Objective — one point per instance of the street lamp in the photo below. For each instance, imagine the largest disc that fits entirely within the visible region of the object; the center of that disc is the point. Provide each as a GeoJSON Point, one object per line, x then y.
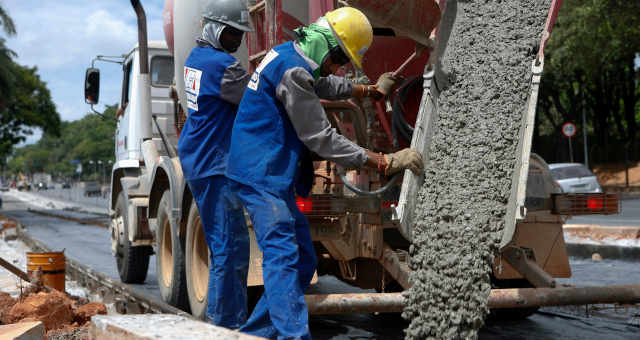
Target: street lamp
{"type": "Point", "coordinates": [110, 169]}
{"type": "Point", "coordinates": [100, 162]}
{"type": "Point", "coordinates": [91, 162]}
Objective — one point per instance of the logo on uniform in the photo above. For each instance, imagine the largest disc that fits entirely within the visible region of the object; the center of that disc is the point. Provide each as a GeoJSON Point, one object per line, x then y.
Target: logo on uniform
{"type": "Point", "coordinates": [192, 78]}
{"type": "Point", "coordinates": [255, 77]}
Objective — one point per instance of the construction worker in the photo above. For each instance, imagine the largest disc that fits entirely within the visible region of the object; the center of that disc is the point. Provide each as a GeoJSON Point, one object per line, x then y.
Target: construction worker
{"type": "Point", "coordinates": [280, 121]}
{"type": "Point", "coordinates": [214, 84]}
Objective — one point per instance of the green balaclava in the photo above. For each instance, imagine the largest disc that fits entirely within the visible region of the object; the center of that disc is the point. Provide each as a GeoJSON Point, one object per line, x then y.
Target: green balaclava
{"type": "Point", "coordinates": [316, 40]}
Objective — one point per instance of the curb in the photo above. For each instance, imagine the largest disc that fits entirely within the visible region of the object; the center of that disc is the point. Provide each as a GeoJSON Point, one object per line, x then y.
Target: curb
{"type": "Point", "coordinates": [586, 250]}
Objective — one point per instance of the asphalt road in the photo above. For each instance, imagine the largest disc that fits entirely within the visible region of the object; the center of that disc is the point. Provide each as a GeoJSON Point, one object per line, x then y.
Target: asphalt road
{"type": "Point", "coordinates": [90, 245]}
{"type": "Point", "coordinates": [87, 244]}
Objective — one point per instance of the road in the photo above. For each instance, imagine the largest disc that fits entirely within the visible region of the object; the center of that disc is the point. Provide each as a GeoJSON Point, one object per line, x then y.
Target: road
{"type": "Point", "coordinates": [90, 245]}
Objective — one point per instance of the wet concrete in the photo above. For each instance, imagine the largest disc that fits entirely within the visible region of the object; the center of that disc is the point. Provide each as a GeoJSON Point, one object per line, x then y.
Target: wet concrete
{"type": "Point", "coordinates": [462, 205]}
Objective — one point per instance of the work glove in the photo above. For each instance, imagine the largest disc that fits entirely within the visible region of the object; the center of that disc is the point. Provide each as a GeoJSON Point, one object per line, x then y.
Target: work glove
{"type": "Point", "coordinates": [386, 83]}
{"type": "Point", "coordinates": [404, 159]}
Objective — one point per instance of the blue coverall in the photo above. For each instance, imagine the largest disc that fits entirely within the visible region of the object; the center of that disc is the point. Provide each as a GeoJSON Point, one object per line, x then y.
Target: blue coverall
{"type": "Point", "coordinates": [214, 82]}
{"type": "Point", "coordinates": [279, 116]}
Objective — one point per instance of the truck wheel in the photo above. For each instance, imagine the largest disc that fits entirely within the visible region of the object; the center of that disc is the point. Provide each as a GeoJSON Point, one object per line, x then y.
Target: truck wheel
{"type": "Point", "coordinates": [132, 261]}
{"type": "Point", "coordinates": [170, 258]}
{"type": "Point", "coordinates": [510, 313]}
{"type": "Point", "coordinates": [197, 263]}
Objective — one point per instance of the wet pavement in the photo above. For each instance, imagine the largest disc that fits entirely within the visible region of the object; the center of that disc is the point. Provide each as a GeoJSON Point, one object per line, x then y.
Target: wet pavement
{"type": "Point", "coordinates": [90, 245]}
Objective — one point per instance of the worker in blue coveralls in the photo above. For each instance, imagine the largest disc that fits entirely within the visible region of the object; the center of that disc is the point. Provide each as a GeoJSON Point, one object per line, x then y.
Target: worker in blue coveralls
{"type": "Point", "coordinates": [214, 84]}
{"type": "Point", "coordinates": [280, 121]}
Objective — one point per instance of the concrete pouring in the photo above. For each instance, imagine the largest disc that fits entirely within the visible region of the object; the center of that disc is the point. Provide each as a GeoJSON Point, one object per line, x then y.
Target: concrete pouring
{"type": "Point", "coordinates": [462, 205]}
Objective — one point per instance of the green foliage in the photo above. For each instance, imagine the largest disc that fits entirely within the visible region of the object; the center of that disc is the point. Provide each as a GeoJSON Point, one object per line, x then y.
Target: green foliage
{"type": "Point", "coordinates": [590, 64]}
{"type": "Point", "coordinates": [6, 76]}
{"type": "Point", "coordinates": [25, 101]}
{"type": "Point", "coordinates": [6, 22]}
{"type": "Point", "coordinates": [29, 106]}
{"type": "Point", "coordinates": [88, 139]}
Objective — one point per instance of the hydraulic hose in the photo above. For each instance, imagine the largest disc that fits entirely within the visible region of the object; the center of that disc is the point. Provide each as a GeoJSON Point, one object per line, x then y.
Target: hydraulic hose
{"type": "Point", "coordinates": [400, 124]}
{"type": "Point", "coordinates": [369, 193]}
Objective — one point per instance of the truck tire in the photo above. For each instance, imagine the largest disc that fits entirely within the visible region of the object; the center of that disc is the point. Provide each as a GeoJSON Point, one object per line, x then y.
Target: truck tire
{"type": "Point", "coordinates": [132, 261]}
{"type": "Point", "coordinates": [197, 262]}
{"type": "Point", "coordinates": [170, 258]}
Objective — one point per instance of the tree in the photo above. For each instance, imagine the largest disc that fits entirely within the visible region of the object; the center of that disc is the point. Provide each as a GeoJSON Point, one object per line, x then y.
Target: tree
{"type": "Point", "coordinates": [590, 63]}
{"type": "Point", "coordinates": [30, 106]}
{"type": "Point", "coordinates": [6, 22]}
{"type": "Point", "coordinates": [88, 139]}
{"type": "Point", "coordinates": [25, 101]}
{"type": "Point", "coordinates": [6, 77]}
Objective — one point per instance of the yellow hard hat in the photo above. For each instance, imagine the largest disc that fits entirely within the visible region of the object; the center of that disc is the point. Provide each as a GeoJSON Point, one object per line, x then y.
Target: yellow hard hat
{"type": "Point", "coordinates": [352, 30]}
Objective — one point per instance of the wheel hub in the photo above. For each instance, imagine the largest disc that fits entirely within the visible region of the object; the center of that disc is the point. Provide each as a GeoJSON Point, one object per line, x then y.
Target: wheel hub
{"type": "Point", "coordinates": [167, 255]}
{"type": "Point", "coordinates": [117, 234]}
{"type": "Point", "coordinates": [200, 265]}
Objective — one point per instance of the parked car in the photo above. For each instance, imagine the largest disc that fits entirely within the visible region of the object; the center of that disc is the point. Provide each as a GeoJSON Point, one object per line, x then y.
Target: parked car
{"type": "Point", "coordinates": [92, 188]}
{"type": "Point", "coordinates": [66, 185]}
{"type": "Point", "coordinates": [4, 187]}
{"type": "Point", "coordinates": [42, 186]}
{"type": "Point", "coordinates": [574, 178]}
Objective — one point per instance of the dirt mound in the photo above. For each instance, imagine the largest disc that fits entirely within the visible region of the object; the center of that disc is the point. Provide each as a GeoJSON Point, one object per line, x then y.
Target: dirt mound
{"type": "Point", "coordinates": [84, 313]}
{"type": "Point", "coordinates": [6, 302]}
{"type": "Point", "coordinates": [54, 309]}
{"type": "Point", "coordinates": [60, 313]}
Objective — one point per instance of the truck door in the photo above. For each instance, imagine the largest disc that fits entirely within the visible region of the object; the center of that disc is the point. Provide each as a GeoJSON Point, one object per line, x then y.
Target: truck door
{"type": "Point", "coordinates": [123, 121]}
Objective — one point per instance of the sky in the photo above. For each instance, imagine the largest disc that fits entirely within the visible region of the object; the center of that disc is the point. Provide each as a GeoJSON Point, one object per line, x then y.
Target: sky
{"type": "Point", "coordinates": [62, 37]}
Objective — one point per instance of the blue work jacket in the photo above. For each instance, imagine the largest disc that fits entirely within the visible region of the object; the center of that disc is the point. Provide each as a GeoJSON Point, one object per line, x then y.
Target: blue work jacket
{"type": "Point", "coordinates": [266, 152]}
{"type": "Point", "coordinates": [204, 142]}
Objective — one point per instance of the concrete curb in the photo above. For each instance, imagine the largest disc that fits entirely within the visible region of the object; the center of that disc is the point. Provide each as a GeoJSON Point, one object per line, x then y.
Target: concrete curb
{"type": "Point", "coordinates": [585, 250]}
{"type": "Point", "coordinates": [596, 233]}
{"type": "Point", "coordinates": [156, 327]}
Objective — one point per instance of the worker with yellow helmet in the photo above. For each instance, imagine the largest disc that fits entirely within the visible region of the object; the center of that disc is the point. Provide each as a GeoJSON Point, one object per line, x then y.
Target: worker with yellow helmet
{"type": "Point", "coordinates": [279, 123]}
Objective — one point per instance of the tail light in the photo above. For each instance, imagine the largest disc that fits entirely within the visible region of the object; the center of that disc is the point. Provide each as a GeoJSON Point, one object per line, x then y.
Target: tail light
{"type": "Point", "coordinates": [585, 204]}
{"type": "Point", "coordinates": [595, 203]}
{"type": "Point", "coordinates": [304, 204]}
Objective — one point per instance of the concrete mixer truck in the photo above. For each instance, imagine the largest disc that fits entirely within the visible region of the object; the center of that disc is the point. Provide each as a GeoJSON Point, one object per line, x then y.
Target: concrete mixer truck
{"type": "Point", "coordinates": [361, 222]}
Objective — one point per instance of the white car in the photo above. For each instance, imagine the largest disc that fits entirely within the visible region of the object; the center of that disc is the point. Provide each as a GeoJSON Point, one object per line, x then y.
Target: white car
{"type": "Point", "coordinates": [575, 178]}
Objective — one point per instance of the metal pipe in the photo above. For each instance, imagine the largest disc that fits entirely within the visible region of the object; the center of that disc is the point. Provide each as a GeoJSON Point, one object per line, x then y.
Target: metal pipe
{"type": "Point", "coordinates": [355, 303]}
{"type": "Point", "coordinates": [142, 101]}
{"type": "Point", "coordinates": [531, 297]}
{"type": "Point", "coordinates": [142, 36]}
{"type": "Point", "coordinates": [498, 298]}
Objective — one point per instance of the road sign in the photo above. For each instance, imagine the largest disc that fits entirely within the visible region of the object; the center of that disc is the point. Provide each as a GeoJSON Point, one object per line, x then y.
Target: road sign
{"type": "Point", "coordinates": [569, 129]}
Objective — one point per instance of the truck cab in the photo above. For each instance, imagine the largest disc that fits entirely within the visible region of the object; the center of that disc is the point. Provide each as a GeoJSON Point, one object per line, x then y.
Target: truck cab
{"type": "Point", "coordinates": [128, 140]}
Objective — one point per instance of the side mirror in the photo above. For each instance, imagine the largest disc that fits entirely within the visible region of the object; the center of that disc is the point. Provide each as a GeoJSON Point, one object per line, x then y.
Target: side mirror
{"type": "Point", "coordinates": [92, 86]}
